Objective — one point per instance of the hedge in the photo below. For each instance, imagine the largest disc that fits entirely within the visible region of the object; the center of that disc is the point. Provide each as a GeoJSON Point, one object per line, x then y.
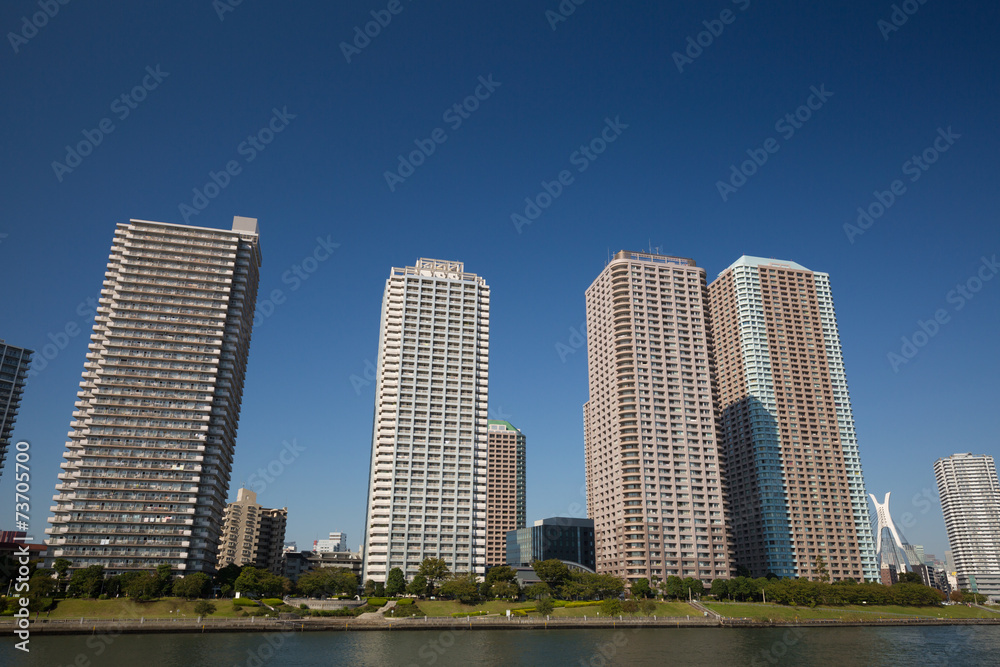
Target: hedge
{"type": "Point", "coordinates": [463, 614]}
{"type": "Point", "coordinates": [583, 603]}
{"type": "Point", "coordinates": [404, 601]}
{"type": "Point", "coordinates": [377, 602]}
{"type": "Point", "coordinates": [244, 602]}
{"type": "Point", "coordinates": [273, 602]}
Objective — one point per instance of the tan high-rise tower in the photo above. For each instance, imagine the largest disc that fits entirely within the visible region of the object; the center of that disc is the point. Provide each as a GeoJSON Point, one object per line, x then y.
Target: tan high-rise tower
{"type": "Point", "coordinates": [795, 489]}
{"type": "Point", "coordinates": [653, 472]}
{"type": "Point", "coordinates": [147, 465]}
{"type": "Point", "coordinates": [252, 535]}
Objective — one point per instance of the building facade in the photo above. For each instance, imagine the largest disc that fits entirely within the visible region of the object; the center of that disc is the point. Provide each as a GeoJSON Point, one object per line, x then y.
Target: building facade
{"type": "Point", "coordinates": [14, 362]}
{"type": "Point", "coordinates": [795, 486]}
{"type": "Point", "coordinates": [147, 465]}
{"type": "Point", "coordinates": [970, 501]}
{"type": "Point", "coordinates": [654, 486]}
{"type": "Point", "coordinates": [251, 534]}
{"type": "Point", "coordinates": [336, 542]}
{"type": "Point", "coordinates": [427, 489]}
{"type": "Point", "coordinates": [297, 563]}
{"type": "Point", "coordinates": [505, 488]}
{"type": "Point", "coordinates": [565, 538]}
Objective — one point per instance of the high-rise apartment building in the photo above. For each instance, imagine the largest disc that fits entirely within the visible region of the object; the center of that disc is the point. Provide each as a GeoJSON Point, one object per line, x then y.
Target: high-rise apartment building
{"type": "Point", "coordinates": [14, 362]}
{"type": "Point", "coordinates": [505, 488]}
{"type": "Point", "coordinates": [148, 460]}
{"type": "Point", "coordinates": [654, 488]}
{"type": "Point", "coordinates": [566, 538]}
{"type": "Point", "coordinates": [427, 490]}
{"type": "Point", "coordinates": [970, 501]}
{"type": "Point", "coordinates": [795, 488]}
{"type": "Point", "coordinates": [252, 535]}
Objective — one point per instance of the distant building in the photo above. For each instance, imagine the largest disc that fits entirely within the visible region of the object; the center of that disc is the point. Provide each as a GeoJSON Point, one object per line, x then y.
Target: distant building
{"type": "Point", "coordinates": [297, 563]}
{"type": "Point", "coordinates": [564, 538]}
{"type": "Point", "coordinates": [252, 535]}
{"type": "Point", "coordinates": [505, 488]}
{"type": "Point", "coordinates": [14, 362]}
{"type": "Point", "coordinates": [337, 542]}
{"type": "Point", "coordinates": [970, 501]}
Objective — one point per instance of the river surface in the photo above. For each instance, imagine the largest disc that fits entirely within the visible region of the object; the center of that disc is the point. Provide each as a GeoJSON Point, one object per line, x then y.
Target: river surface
{"type": "Point", "coordinates": [842, 647]}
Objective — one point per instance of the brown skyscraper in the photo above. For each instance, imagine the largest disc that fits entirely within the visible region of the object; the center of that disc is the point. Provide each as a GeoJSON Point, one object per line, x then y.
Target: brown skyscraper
{"type": "Point", "coordinates": [505, 488]}
{"type": "Point", "coordinates": [653, 477]}
{"type": "Point", "coordinates": [795, 489]}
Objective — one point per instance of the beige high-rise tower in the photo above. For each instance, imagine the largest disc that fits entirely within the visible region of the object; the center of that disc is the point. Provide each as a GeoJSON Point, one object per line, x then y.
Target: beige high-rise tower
{"type": "Point", "coordinates": [795, 489]}
{"type": "Point", "coordinates": [252, 535]}
{"type": "Point", "coordinates": [653, 472]}
{"type": "Point", "coordinates": [147, 465]}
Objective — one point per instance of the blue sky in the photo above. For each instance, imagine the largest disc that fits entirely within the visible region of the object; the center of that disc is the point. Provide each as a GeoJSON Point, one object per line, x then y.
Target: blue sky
{"type": "Point", "coordinates": [212, 83]}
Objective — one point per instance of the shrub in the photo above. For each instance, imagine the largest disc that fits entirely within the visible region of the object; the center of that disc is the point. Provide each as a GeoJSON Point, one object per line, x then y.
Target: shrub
{"type": "Point", "coordinates": [303, 606]}
{"type": "Point", "coordinates": [273, 602]}
{"type": "Point", "coordinates": [463, 614]}
{"type": "Point", "coordinates": [102, 596]}
{"type": "Point", "coordinates": [244, 602]}
{"type": "Point", "coordinates": [404, 601]}
{"type": "Point", "coordinates": [582, 603]}
{"type": "Point", "coordinates": [519, 612]}
{"type": "Point", "coordinates": [204, 608]}
{"type": "Point", "coordinates": [377, 602]}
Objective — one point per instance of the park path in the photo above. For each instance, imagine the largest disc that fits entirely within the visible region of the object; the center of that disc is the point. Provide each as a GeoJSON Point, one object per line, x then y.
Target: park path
{"type": "Point", "coordinates": [377, 615]}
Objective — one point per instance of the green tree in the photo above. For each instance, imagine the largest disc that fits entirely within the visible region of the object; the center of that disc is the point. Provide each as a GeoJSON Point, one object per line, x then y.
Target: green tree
{"type": "Point", "coordinates": [87, 582]}
{"type": "Point", "coordinates": [192, 586]}
{"type": "Point", "coordinates": [144, 587]}
{"type": "Point", "coordinates": [822, 573]}
{"type": "Point", "coordinates": [328, 581]}
{"type": "Point", "coordinates": [395, 582]}
{"type": "Point", "coordinates": [648, 607]}
{"type": "Point", "coordinates": [257, 583]}
{"type": "Point", "coordinates": [505, 589]}
{"type": "Point", "coordinates": [606, 585]}
{"type": "Point", "coordinates": [41, 584]}
{"type": "Point", "coordinates": [630, 606]}
{"type": "Point", "coordinates": [673, 587]}
{"type": "Point", "coordinates": [537, 591]}
{"type": "Point", "coordinates": [910, 578]}
{"type": "Point", "coordinates": [641, 589]}
{"type": "Point", "coordinates": [720, 588]}
{"type": "Point", "coordinates": [691, 587]}
{"type": "Point", "coordinates": [611, 607]}
{"type": "Point", "coordinates": [462, 587]}
{"type": "Point", "coordinates": [500, 573]}
{"type": "Point", "coordinates": [369, 588]}
{"type": "Point", "coordinates": [204, 608]}
{"type": "Point", "coordinates": [544, 606]}
{"type": "Point", "coordinates": [434, 570]}
{"type": "Point", "coordinates": [164, 578]}
{"type": "Point", "coordinates": [552, 572]}
{"type": "Point", "coordinates": [418, 585]}
{"type": "Point", "coordinates": [61, 566]}
{"type": "Point", "coordinates": [227, 576]}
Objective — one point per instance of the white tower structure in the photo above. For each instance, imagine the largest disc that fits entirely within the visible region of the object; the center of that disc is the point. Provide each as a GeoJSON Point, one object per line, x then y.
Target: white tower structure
{"type": "Point", "coordinates": [894, 553]}
{"type": "Point", "coordinates": [427, 491]}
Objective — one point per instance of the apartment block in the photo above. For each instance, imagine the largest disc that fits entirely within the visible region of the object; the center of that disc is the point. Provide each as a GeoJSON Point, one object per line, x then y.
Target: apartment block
{"type": "Point", "coordinates": [14, 363]}
{"type": "Point", "coordinates": [252, 534]}
{"type": "Point", "coordinates": [654, 486]}
{"type": "Point", "coordinates": [147, 465]}
{"type": "Point", "coordinates": [336, 542]}
{"type": "Point", "coordinates": [505, 488]}
{"type": "Point", "coordinates": [795, 488]}
{"type": "Point", "coordinates": [428, 478]}
{"type": "Point", "coordinates": [970, 501]}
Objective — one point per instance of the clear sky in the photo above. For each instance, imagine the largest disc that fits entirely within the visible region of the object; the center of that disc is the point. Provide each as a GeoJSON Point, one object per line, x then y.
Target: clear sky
{"type": "Point", "coordinates": [312, 114]}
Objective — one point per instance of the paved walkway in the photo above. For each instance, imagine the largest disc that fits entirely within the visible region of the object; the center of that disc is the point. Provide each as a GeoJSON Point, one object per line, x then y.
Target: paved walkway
{"type": "Point", "coordinates": [377, 615]}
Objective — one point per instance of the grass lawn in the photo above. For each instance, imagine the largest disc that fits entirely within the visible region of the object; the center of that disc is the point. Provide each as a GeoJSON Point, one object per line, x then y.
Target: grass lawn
{"type": "Point", "coordinates": [847, 613]}
{"type": "Point", "coordinates": [449, 607]}
{"type": "Point", "coordinates": [126, 608]}
{"type": "Point", "coordinates": [663, 610]}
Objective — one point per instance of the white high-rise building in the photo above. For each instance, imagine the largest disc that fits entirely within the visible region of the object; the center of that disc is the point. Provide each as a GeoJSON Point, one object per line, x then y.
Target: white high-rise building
{"type": "Point", "coordinates": [427, 492]}
{"type": "Point", "coordinates": [337, 542]}
{"type": "Point", "coordinates": [970, 501]}
{"type": "Point", "coordinates": [147, 466]}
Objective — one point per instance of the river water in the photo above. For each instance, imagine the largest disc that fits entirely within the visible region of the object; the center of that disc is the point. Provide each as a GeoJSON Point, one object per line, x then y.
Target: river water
{"type": "Point", "coordinates": [842, 647]}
